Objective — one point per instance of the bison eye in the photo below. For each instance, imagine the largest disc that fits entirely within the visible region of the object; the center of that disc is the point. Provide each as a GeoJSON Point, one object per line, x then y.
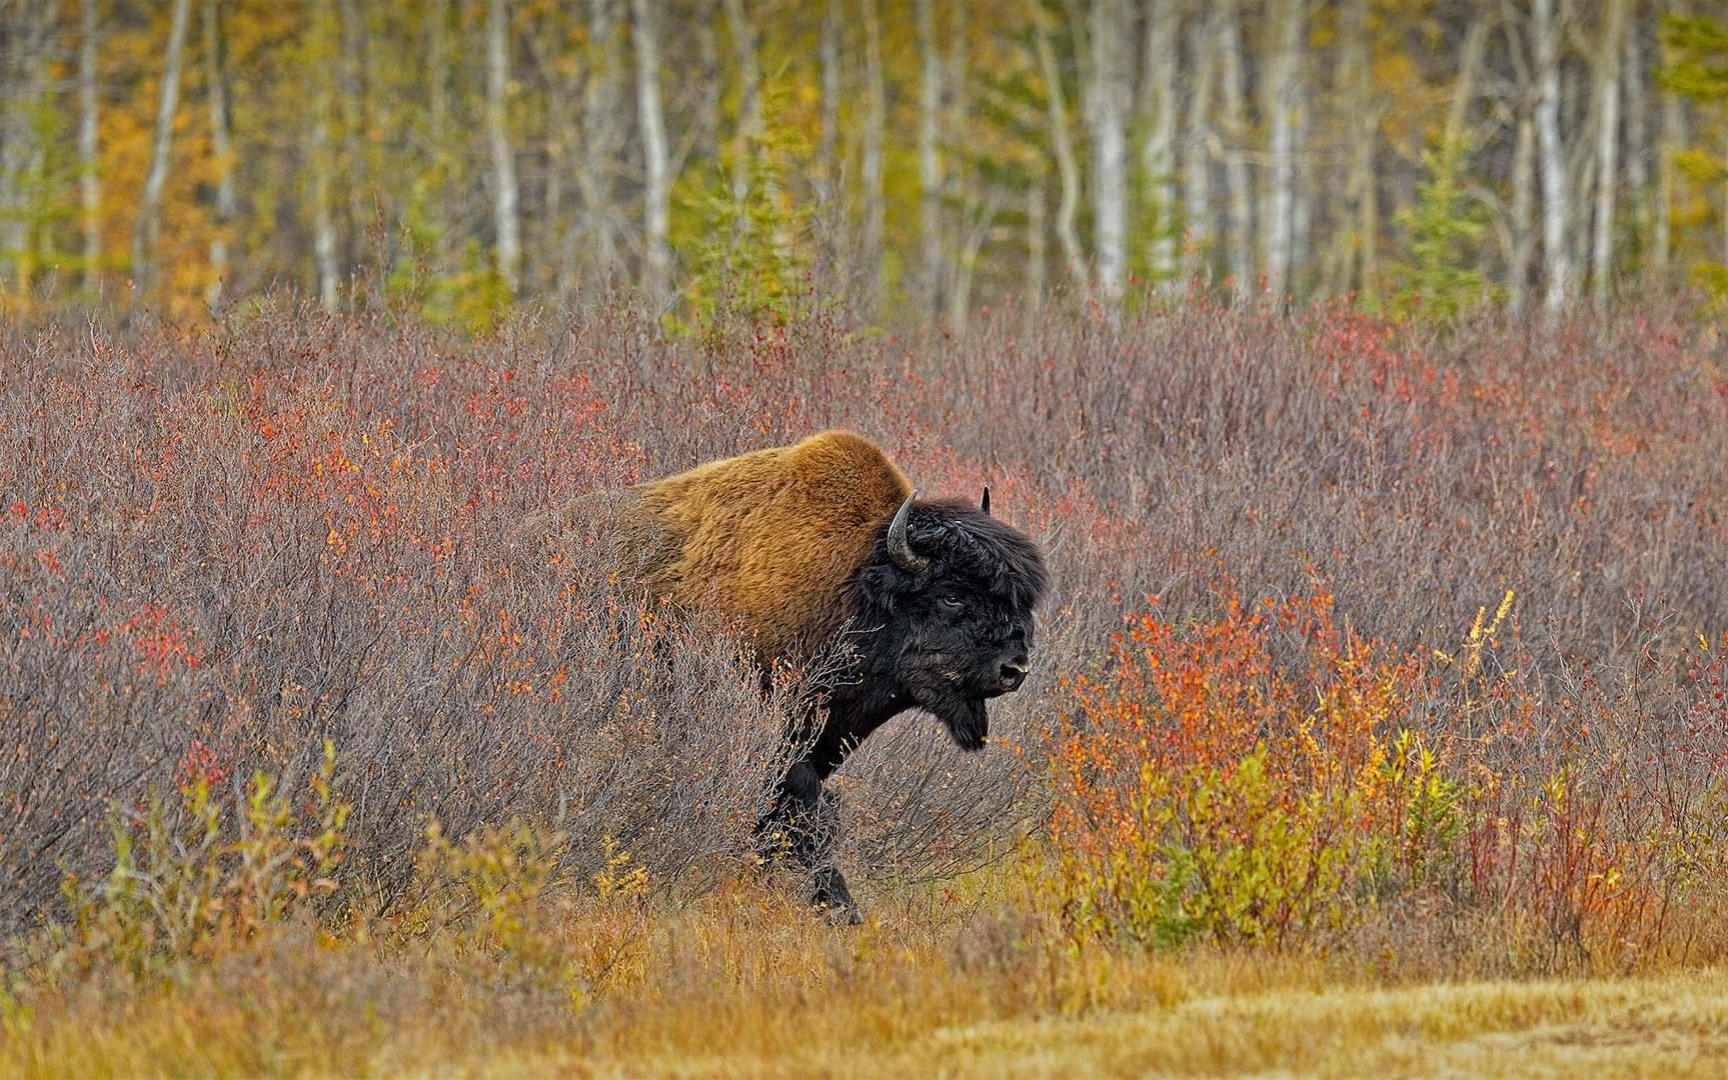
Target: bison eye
{"type": "Point", "coordinates": [952, 601]}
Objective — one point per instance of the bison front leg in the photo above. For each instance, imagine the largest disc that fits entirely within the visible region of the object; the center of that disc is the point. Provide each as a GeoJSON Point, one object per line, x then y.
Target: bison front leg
{"type": "Point", "coordinates": [805, 822]}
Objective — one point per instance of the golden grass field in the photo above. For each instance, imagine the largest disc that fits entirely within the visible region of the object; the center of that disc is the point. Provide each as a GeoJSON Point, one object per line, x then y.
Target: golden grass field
{"type": "Point", "coordinates": [746, 984]}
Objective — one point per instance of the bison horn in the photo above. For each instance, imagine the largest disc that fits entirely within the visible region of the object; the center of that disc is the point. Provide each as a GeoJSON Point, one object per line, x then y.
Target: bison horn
{"type": "Point", "coordinates": [984, 504]}
{"type": "Point", "coordinates": [899, 548]}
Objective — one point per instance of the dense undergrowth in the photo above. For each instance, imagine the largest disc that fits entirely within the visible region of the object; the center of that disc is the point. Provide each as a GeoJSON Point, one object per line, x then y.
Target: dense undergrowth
{"type": "Point", "coordinates": [1374, 654]}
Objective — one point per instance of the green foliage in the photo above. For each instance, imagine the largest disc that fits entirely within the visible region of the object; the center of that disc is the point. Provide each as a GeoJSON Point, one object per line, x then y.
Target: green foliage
{"type": "Point", "coordinates": [749, 256]}
{"type": "Point", "coordinates": [1438, 276]}
{"type": "Point", "coordinates": [1698, 45]}
{"type": "Point", "coordinates": [188, 881]}
{"type": "Point", "coordinates": [501, 874]}
{"type": "Point", "coordinates": [1428, 812]}
{"type": "Point", "coordinates": [1225, 857]}
{"type": "Point", "coordinates": [472, 297]}
{"type": "Point", "coordinates": [1697, 68]}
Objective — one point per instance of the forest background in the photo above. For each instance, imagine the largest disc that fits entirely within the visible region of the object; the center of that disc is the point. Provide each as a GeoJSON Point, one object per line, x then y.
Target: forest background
{"type": "Point", "coordinates": [920, 157]}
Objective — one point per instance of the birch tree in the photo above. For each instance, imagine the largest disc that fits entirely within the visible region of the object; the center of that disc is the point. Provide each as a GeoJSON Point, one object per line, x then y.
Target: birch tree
{"type": "Point", "coordinates": [161, 147]}
{"type": "Point", "coordinates": [1545, 30]}
{"type": "Point", "coordinates": [602, 140]}
{"type": "Point", "coordinates": [216, 79]}
{"type": "Point", "coordinates": [1607, 146]}
{"type": "Point", "coordinates": [321, 152]}
{"type": "Point", "coordinates": [929, 164]}
{"type": "Point", "coordinates": [506, 220]}
{"type": "Point", "coordinates": [89, 148]}
{"type": "Point", "coordinates": [1158, 109]}
{"type": "Point", "coordinates": [1197, 145]}
{"type": "Point", "coordinates": [1061, 146]}
{"type": "Point", "coordinates": [749, 95]}
{"type": "Point", "coordinates": [657, 256]}
{"type": "Point", "coordinates": [1109, 147]}
{"type": "Point", "coordinates": [1285, 72]}
{"type": "Point", "coordinates": [1241, 216]}
{"type": "Point", "coordinates": [874, 136]}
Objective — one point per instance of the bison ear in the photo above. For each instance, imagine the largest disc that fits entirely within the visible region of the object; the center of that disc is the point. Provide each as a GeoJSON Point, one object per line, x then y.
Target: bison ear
{"type": "Point", "coordinates": [984, 504]}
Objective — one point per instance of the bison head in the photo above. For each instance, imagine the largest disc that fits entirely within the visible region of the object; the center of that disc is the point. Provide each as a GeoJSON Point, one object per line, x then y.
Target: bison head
{"type": "Point", "coordinates": [952, 591]}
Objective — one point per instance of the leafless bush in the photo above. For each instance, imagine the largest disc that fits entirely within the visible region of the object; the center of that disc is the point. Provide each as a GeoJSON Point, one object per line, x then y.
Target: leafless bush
{"type": "Point", "coordinates": [218, 549]}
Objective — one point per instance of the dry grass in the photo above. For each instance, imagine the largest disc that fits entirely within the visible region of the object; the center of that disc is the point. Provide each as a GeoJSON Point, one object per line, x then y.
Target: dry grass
{"type": "Point", "coordinates": [744, 985]}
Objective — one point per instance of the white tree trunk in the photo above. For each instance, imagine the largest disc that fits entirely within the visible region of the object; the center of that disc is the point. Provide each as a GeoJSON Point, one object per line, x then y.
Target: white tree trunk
{"type": "Point", "coordinates": [321, 151]}
{"type": "Point", "coordinates": [1634, 78]}
{"type": "Point", "coordinates": [749, 95]}
{"type": "Point", "coordinates": [1062, 145]}
{"type": "Point", "coordinates": [1285, 74]}
{"type": "Point", "coordinates": [1159, 109]}
{"type": "Point", "coordinates": [1555, 207]}
{"type": "Point", "coordinates": [929, 163]}
{"type": "Point", "coordinates": [1036, 257]}
{"type": "Point", "coordinates": [601, 139]}
{"type": "Point", "coordinates": [216, 77]}
{"type": "Point", "coordinates": [1607, 148]}
{"type": "Point", "coordinates": [1236, 151]}
{"type": "Point", "coordinates": [1671, 140]}
{"type": "Point", "coordinates": [89, 149]}
{"type": "Point", "coordinates": [1197, 148]}
{"type": "Point", "coordinates": [506, 221]}
{"type": "Point", "coordinates": [1358, 264]}
{"type": "Point", "coordinates": [875, 135]}
{"type": "Point", "coordinates": [657, 258]}
{"type": "Point", "coordinates": [161, 147]}
{"type": "Point", "coordinates": [828, 142]}
{"type": "Point", "coordinates": [1109, 148]}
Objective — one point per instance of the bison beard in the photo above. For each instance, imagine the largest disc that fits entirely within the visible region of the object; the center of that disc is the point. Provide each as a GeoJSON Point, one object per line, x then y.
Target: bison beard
{"type": "Point", "coordinates": [797, 543]}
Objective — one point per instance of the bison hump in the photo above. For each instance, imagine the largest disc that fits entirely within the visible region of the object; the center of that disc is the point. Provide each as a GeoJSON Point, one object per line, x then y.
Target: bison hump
{"type": "Point", "coordinates": [774, 537]}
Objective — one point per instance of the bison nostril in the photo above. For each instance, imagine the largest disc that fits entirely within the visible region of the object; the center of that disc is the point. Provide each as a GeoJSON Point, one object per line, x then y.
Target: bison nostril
{"type": "Point", "coordinates": [1013, 673]}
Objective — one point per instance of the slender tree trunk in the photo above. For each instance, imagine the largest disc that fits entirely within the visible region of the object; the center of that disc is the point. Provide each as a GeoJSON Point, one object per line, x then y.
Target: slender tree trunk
{"type": "Point", "coordinates": [1159, 107]}
{"type": "Point", "coordinates": [161, 147]}
{"type": "Point", "coordinates": [506, 221]}
{"type": "Point", "coordinates": [1555, 205]}
{"type": "Point", "coordinates": [322, 153]}
{"type": "Point", "coordinates": [657, 258]}
{"type": "Point", "coordinates": [749, 94]}
{"type": "Point", "coordinates": [828, 141]}
{"type": "Point", "coordinates": [1607, 148]}
{"type": "Point", "coordinates": [23, 152]}
{"type": "Point", "coordinates": [929, 163]}
{"type": "Point", "coordinates": [89, 149]}
{"type": "Point", "coordinates": [352, 107]}
{"type": "Point", "coordinates": [1062, 144]}
{"type": "Point", "coordinates": [1634, 78]}
{"type": "Point", "coordinates": [1523, 209]}
{"type": "Point", "coordinates": [1464, 90]}
{"type": "Point", "coordinates": [216, 75]}
{"type": "Point", "coordinates": [602, 143]}
{"type": "Point", "coordinates": [1285, 73]}
{"type": "Point", "coordinates": [1236, 151]}
{"type": "Point", "coordinates": [1109, 148]}
{"type": "Point", "coordinates": [1672, 140]}
{"type": "Point", "coordinates": [875, 127]}
{"type": "Point", "coordinates": [1036, 255]}
{"type": "Point", "coordinates": [438, 76]}
{"type": "Point", "coordinates": [1197, 148]}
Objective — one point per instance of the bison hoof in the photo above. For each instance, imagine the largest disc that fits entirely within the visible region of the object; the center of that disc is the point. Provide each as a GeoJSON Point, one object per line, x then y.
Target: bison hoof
{"type": "Point", "coordinates": [835, 898]}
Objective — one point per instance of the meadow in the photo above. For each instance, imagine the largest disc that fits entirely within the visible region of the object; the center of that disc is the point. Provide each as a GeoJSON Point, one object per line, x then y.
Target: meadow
{"type": "Point", "coordinates": [1377, 723]}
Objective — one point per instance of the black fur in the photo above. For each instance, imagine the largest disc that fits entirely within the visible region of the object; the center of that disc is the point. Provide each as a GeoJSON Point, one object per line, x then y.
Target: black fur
{"type": "Point", "coordinates": [945, 640]}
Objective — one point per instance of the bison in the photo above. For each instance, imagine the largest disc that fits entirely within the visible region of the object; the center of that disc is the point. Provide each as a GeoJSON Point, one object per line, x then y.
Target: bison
{"type": "Point", "coordinates": [795, 544]}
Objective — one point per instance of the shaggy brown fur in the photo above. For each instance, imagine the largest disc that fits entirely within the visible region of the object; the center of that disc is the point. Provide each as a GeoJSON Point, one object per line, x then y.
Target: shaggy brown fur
{"type": "Point", "coordinates": [771, 538]}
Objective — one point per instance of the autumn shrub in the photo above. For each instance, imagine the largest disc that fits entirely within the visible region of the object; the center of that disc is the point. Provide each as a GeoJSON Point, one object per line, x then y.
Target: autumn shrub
{"type": "Point", "coordinates": [1245, 779]}
{"type": "Point", "coordinates": [221, 547]}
